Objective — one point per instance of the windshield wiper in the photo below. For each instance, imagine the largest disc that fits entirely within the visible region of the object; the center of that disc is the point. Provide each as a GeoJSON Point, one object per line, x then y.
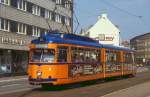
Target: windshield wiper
{"type": "Point", "coordinates": [41, 56]}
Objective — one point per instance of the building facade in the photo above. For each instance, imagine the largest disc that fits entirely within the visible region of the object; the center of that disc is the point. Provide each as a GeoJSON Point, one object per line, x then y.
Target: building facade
{"type": "Point", "coordinates": [105, 31]}
{"type": "Point", "coordinates": [142, 46]}
{"type": "Point", "coordinates": [125, 43]}
{"type": "Point", "coordinates": [23, 20]}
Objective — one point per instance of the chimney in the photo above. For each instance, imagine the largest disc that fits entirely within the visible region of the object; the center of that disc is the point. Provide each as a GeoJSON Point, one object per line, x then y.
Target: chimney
{"type": "Point", "coordinates": [102, 16]}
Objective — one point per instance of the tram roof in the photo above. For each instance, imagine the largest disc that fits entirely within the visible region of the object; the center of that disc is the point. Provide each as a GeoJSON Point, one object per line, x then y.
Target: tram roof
{"type": "Point", "coordinates": [116, 47]}
{"type": "Point", "coordinates": [73, 39]}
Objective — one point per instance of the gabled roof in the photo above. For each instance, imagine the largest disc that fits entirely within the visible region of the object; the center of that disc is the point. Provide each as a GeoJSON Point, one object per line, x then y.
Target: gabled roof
{"type": "Point", "coordinates": [103, 25]}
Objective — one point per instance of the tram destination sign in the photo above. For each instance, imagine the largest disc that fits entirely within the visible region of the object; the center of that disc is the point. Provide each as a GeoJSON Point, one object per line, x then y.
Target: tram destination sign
{"type": "Point", "coordinates": [41, 46]}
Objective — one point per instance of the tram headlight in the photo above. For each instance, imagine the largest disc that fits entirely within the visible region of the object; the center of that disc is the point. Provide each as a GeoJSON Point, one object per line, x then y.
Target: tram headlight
{"type": "Point", "coordinates": [39, 73]}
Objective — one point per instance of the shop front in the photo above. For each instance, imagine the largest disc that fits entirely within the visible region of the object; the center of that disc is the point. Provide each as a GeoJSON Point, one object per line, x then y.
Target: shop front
{"type": "Point", "coordinates": [5, 61]}
{"type": "Point", "coordinates": [13, 62]}
{"type": "Point", "coordinates": [14, 49]}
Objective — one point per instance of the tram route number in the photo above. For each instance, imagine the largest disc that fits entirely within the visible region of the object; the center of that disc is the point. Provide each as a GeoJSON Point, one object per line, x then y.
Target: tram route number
{"type": "Point", "coordinates": [41, 46]}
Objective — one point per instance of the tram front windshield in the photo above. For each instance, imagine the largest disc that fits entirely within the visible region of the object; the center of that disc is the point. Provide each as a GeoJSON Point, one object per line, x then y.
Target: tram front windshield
{"type": "Point", "coordinates": [43, 55]}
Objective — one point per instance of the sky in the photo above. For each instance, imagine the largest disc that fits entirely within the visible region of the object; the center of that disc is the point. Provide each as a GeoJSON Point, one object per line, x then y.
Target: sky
{"type": "Point", "coordinates": [132, 16]}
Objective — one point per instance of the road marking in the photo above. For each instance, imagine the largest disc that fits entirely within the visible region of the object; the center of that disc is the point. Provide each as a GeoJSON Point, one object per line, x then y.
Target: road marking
{"type": "Point", "coordinates": [10, 80]}
{"type": "Point", "coordinates": [14, 91]}
{"type": "Point", "coordinates": [10, 85]}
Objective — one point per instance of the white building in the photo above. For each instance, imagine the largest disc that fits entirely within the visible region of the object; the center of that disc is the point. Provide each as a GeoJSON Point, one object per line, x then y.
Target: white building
{"type": "Point", "coordinates": [105, 31]}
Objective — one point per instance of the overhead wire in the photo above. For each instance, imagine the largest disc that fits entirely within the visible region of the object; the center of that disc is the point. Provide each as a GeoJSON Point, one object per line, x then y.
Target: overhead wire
{"type": "Point", "coordinates": [120, 9]}
{"type": "Point", "coordinates": [127, 12]}
{"type": "Point", "coordinates": [111, 5]}
{"type": "Point", "coordinates": [78, 24]}
{"type": "Point", "coordinates": [75, 20]}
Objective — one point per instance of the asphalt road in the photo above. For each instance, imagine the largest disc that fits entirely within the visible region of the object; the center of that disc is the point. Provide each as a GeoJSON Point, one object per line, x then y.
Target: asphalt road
{"type": "Point", "coordinates": [11, 85]}
{"type": "Point", "coordinates": [21, 88]}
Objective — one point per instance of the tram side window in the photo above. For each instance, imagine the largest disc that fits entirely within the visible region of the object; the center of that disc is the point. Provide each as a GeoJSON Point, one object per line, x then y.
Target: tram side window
{"type": "Point", "coordinates": [92, 56]}
{"type": "Point", "coordinates": [62, 54]}
{"type": "Point", "coordinates": [128, 58]}
{"type": "Point", "coordinates": [75, 55]}
{"type": "Point", "coordinates": [111, 57]}
{"type": "Point", "coordinates": [81, 55]}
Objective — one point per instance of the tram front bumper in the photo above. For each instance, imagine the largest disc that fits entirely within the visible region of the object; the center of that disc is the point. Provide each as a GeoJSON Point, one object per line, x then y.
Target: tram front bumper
{"type": "Point", "coordinates": [40, 81]}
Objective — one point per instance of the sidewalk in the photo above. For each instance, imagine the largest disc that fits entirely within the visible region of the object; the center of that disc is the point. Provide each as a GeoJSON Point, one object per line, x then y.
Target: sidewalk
{"type": "Point", "coordinates": [14, 84]}
{"type": "Point", "coordinates": [141, 90]}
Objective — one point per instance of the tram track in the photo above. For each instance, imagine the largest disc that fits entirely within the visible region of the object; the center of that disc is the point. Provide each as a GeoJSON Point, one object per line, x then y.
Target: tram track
{"type": "Point", "coordinates": [97, 89]}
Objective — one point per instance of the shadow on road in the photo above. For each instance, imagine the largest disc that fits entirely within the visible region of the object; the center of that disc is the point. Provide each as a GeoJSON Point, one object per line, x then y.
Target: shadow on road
{"type": "Point", "coordinates": [26, 93]}
{"type": "Point", "coordinates": [47, 87]}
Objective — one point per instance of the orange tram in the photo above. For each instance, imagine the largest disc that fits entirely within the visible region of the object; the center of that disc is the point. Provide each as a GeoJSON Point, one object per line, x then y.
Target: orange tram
{"type": "Point", "coordinates": [58, 59]}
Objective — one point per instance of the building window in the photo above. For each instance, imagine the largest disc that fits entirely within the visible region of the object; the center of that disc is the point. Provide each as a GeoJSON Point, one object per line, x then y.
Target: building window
{"type": "Point", "coordinates": [36, 31]}
{"type": "Point", "coordinates": [14, 3]}
{"type": "Point", "coordinates": [42, 31]}
{"type": "Point", "coordinates": [22, 28]}
{"type": "Point", "coordinates": [13, 26]}
{"type": "Point", "coordinates": [22, 5]}
{"type": "Point", "coordinates": [36, 10]}
{"type": "Point", "coordinates": [67, 21]}
{"type": "Point", "coordinates": [67, 4]}
{"type": "Point", "coordinates": [101, 37]}
{"type": "Point", "coordinates": [29, 7]}
{"type": "Point", "coordinates": [58, 18]}
{"type": "Point", "coordinates": [48, 14]}
{"type": "Point", "coordinates": [58, 2]}
{"type": "Point", "coordinates": [4, 24]}
{"type": "Point", "coordinates": [53, 16]}
{"type": "Point", "coordinates": [42, 14]}
{"type": "Point", "coordinates": [29, 30]}
{"type": "Point", "coordinates": [46, 32]}
{"type": "Point", "coordinates": [6, 2]}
